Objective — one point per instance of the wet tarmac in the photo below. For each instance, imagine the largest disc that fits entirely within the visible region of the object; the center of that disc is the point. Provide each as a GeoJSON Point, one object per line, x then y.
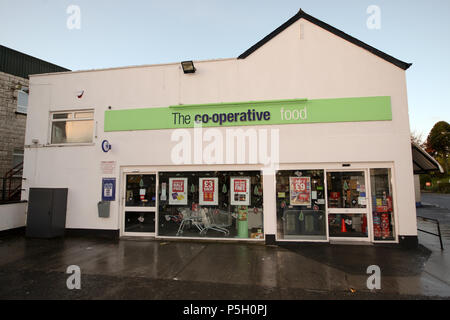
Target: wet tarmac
{"type": "Point", "coordinates": [148, 269]}
{"type": "Point", "coordinates": [436, 199]}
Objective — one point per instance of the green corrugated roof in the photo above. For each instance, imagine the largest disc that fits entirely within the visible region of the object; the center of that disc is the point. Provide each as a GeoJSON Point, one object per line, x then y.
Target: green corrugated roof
{"type": "Point", "coordinates": [22, 65]}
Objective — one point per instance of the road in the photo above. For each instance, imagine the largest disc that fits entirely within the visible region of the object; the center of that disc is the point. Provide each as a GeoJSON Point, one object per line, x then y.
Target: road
{"type": "Point", "coordinates": [436, 206]}
{"type": "Point", "coordinates": [131, 269]}
{"type": "Point", "coordinates": [436, 199]}
{"type": "Point", "coordinates": [136, 269]}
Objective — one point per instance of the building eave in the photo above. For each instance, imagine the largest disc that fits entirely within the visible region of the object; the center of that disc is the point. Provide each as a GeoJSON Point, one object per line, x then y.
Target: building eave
{"type": "Point", "coordinates": [303, 15]}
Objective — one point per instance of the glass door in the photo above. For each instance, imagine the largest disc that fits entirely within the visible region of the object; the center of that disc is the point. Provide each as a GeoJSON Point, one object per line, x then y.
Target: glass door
{"type": "Point", "coordinates": [347, 204]}
{"type": "Point", "coordinates": [139, 204]}
{"type": "Point", "coordinates": [301, 213]}
{"type": "Point", "coordinates": [383, 213]}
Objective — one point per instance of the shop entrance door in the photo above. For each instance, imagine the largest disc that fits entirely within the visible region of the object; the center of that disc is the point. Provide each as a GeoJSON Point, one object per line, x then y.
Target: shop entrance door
{"type": "Point", "coordinates": [139, 204]}
{"type": "Point", "coordinates": [347, 205]}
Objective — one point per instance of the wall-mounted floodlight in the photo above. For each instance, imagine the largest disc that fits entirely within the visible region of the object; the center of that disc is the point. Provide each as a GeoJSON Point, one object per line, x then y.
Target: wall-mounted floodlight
{"type": "Point", "coordinates": [188, 66]}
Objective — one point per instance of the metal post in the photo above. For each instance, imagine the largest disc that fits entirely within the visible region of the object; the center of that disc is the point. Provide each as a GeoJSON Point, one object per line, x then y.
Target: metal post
{"type": "Point", "coordinates": [434, 234]}
{"type": "Point", "coordinates": [3, 189]}
{"type": "Point", "coordinates": [440, 237]}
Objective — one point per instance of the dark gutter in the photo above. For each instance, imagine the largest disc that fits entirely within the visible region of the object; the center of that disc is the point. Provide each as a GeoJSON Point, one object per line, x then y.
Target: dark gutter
{"type": "Point", "coordinates": [303, 15]}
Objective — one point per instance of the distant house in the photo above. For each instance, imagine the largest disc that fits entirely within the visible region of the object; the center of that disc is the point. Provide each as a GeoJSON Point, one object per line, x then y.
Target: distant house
{"type": "Point", "coordinates": [15, 67]}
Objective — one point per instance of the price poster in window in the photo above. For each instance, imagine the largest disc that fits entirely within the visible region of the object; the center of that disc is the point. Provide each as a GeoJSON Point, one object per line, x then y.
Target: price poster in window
{"type": "Point", "coordinates": [208, 191]}
{"type": "Point", "coordinates": [300, 191]}
{"type": "Point", "coordinates": [178, 191]}
{"type": "Point", "coordinates": [240, 191]}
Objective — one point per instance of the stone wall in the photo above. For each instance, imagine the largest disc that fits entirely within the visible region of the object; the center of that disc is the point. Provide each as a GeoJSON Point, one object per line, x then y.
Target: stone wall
{"type": "Point", "coordinates": [12, 124]}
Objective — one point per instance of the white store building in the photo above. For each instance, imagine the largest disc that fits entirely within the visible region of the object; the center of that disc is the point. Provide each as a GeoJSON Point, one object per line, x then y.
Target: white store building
{"type": "Point", "coordinates": [304, 137]}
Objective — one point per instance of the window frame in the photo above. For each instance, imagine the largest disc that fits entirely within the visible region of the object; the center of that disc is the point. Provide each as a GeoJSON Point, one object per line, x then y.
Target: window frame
{"type": "Point", "coordinates": [17, 152]}
{"type": "Point", "coordinates": [394, 213]}
{"type": "Point", "coordinates": [18, 107]}
{"type": "Point", "coordinates": [302, 238]}
{"type": "Point", "coordinates": [189, 170]}
{"type": "Point", "coordinates": [72, 112]}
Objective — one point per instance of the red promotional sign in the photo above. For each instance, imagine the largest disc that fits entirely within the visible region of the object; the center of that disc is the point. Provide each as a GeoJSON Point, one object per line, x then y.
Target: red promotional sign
{"type": "Point", "coordinates": [335, 195]}
{"type": "Point", "coordinates": [208, 190]}
{"type": "Point", "coordinates": [240, 185]}
{"type": "Point", "coordinates": [299, 184]}
{"type": "Point", "coordinates": [178, 186]}
{"type": "Point", "coordinates": [300, 191]}
{"type": "Point", "coordinates": [240, 191]}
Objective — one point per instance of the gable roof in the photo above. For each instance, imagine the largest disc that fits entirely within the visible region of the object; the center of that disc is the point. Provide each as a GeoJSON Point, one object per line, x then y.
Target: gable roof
{"type": "Point", "coordinates": [23, 65]}
{"type": "Point", "coordinates": [303, 15]}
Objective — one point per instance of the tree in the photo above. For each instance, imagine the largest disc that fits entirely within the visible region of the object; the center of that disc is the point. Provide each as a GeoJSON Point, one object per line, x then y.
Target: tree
{"type": "Point", "coordinates": [438, 143]}
{"type": "Point", "coordinates": [417, 138]}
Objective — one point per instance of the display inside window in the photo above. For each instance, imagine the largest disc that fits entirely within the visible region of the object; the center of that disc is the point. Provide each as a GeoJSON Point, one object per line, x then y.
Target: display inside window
{"type": "Point", "coordinates": [139, 222]}
{"type": "Point", "coordinates": [301, 204]}
{"type": "Point", "coordinates": [178, 191]}
{"type": "Point", "coordinates": [300, 191]}
{"type": "Point", "coordinates": [140, 190]}
{"type": "Point", "coordinates": [208, 191]}
{"type": "Point", "coordinates": [382, 205]}
{"type": "Point", "coordinates": [216, 204]}
{"type": "Point", "coordinates": [348, 225]}
{"type": "Point", "coordinates": [346, 190]}
{"type": "Point", "coordinates": [240, 191]}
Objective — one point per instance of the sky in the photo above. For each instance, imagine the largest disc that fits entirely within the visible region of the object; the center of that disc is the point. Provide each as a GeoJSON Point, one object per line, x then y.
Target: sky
{"type": "Point", "coordinates": [115, 33]}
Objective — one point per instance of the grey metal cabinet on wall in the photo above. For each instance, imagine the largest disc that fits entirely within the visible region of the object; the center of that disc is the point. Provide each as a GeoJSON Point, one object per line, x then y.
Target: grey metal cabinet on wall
{"type": "Point", "coordinates": [46, 217]}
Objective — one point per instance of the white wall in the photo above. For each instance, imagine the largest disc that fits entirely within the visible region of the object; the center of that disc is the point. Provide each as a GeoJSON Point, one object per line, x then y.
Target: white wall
{"type": "Point", "coordinates": [12, 215]}
{"type": "Point", "coordinates": [418, 194]}
{"type": "Point", "coordinates": [321, 65]}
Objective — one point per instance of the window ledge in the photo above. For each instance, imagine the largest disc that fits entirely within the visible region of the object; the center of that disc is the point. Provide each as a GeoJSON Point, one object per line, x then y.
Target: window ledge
{"type": "Point", "coordinates": [69, 144]}
{"type": "Point", "coordinates": [13, 202]}
{"type": "Point", "coordinates": [22, 113]}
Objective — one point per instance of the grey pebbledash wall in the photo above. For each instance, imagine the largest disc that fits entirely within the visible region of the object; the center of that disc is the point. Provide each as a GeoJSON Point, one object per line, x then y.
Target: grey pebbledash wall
{"type": "Point", "coordinates": [12, 124]}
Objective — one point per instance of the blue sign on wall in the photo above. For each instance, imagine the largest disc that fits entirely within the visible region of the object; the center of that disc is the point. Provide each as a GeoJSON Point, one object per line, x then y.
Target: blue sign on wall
{"type": "Point", "coordinates": [106, 146]}
{"type": "Point", "coordinates": [108, 189]}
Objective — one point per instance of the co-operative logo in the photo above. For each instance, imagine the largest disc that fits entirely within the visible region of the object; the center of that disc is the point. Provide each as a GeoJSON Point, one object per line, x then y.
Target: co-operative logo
{"type": "Point", "coordinates": [106, 146]}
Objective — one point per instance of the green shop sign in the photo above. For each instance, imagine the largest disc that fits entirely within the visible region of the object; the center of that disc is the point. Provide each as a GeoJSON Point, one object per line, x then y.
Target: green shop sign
{"type": "Point", "coordinates": [251, 113]}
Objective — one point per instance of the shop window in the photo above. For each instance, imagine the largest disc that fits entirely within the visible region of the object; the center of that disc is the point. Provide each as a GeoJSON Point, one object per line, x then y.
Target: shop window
{"type": "Point", "coordinates": [301, 205]}
{"type": "Point", "coordinates": [347, 204]}
{"type": "Point", "coordinates": [136, 221]}
{"type": "Point", "coordinates": [72, 127]}
{"type": "Point", "coordinates": [140, 203]}
{"type": "Point", "coordinates": [348, 225]}
{"type": "Point", "coordinates": [382, 204]}
{"type": "Point", "coordinates": [225, 204]}
{"type": "Point", "coordinates": [141, 190]}
{"type": "Point", "coordinates": [346, 190]}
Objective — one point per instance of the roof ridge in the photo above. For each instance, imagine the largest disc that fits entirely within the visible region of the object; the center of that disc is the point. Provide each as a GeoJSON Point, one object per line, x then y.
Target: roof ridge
{"type": "Point", "coordinates": [302, 14]}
